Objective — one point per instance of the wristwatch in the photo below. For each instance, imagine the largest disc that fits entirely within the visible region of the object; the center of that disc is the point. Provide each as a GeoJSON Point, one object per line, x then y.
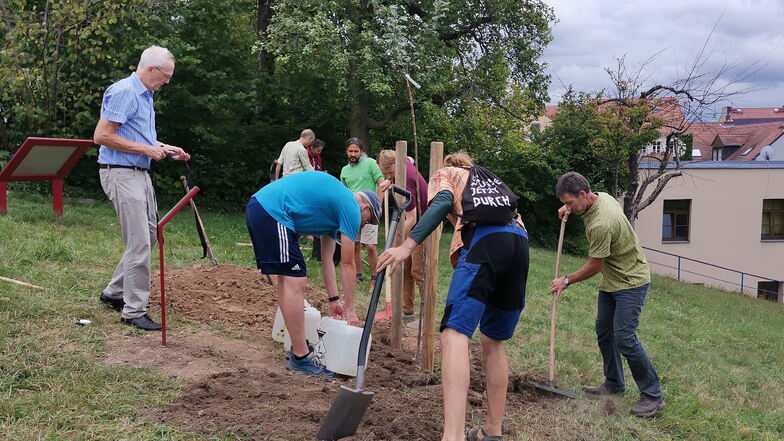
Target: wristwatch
{"type": "Point", "coordinates": [566, 280]}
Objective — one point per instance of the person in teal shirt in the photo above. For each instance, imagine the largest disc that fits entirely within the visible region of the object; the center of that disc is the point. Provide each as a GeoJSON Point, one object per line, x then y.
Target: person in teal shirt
{"type": "Point", "coordinates": [363, 173]}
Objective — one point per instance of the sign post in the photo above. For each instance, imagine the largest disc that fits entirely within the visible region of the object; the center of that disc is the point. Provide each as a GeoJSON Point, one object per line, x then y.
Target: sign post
{"type": "Point", "coordinates": [43, 159]}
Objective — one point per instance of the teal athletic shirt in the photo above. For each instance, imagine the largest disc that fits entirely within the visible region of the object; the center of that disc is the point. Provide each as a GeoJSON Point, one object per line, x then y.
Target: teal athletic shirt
{"type": "Point", "coordinates": [312, 203]}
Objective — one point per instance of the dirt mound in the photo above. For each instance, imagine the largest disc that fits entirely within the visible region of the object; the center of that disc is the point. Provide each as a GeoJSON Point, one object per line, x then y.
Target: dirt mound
{"type": "Point", "coordinates": [241, 387]}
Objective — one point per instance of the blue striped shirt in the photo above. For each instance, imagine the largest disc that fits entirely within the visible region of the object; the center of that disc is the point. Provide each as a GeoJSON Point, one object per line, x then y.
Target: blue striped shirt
{"type": "Point", "coordinates": [129, 103]}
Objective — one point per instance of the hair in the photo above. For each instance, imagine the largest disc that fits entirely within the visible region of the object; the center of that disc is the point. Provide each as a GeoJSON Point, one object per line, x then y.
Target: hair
{"type": "Point", "coordinates": [155, 56]}
{"type": "Point", "coordinates": [458, 159]}
{"type": "Point", "coordinates": [317, 143]}
{"type": "Point", "coordinates": [386, 159]}
{"type": "Point", "coordinates": [572, 183]}
{"type": "Point", "coordinates": [307, 133]}
{"type": "Point", "coordinates": [358, 142]}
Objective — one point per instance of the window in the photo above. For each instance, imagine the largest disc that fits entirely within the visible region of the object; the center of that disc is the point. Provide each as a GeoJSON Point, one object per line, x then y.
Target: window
{"type": "Point", "coordinates": [768, 291]}
{"type": "Point", "coordinates": [657, 146]}
{"type": "Point", "coordinates": [675, 221]}
{"type": "Point", "coordinates": [717, 154]}
{"type": "Point", "coordinates": [773, 219]}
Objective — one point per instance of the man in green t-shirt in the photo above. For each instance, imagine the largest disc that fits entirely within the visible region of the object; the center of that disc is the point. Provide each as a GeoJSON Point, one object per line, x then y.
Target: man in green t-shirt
{"type": "Point", "coordinates": [363, 173]}
{"type": "Point", "coordinates": [614, 250]}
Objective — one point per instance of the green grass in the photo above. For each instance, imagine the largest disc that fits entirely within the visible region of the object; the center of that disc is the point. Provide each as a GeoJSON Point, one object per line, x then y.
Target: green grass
{"type": "Point", "coordinates": [720, 355]}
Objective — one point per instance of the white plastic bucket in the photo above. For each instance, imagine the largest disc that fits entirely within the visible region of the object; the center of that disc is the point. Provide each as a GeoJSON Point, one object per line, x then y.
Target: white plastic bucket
{"type": "Point", "coordinates": [312, 319]}
{"type": "Point", "coordinates": [338, 347]}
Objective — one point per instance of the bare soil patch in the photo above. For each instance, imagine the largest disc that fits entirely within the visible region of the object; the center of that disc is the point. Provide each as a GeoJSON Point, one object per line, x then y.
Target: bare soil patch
{"type": "Point", "coordinates": [241, 387]}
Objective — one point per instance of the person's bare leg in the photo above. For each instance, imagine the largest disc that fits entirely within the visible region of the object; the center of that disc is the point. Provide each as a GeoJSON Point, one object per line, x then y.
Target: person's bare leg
{"type": "Point", "coordinates": [454, 380]}
{"type": "Point", "coordinates": [496, 381]}
{"type": "Point", "coordinates": [291, 299]}
{"type": "Point", "coordinates": [358, 257]}
{"type": "Point", "coordinates": [372, 252]}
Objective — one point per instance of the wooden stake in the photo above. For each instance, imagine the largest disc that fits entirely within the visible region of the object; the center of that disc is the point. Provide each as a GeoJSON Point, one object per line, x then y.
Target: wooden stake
{"type": "Point", "coordinates": [401, 148]}
{"type": "Point", "coordinates": [6, 279]}
{"type": "Point", "coordinates": [431, 274]}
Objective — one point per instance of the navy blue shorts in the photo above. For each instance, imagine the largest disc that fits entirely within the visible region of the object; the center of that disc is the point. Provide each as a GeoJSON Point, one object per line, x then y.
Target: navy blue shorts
{"type": "Point", "coordinates": [488, 285]}
{"type": "Point", "coordinates": [276, 246]}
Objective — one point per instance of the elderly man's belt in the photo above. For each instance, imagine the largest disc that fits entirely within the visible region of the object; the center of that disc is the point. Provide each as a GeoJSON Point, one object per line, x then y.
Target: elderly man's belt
{"type": "Point", "coordinates": [133, 167]}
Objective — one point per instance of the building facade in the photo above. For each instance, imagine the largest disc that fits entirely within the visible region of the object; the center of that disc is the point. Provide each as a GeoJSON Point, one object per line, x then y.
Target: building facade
{"type": "Point", "coordinates": [725, 219]}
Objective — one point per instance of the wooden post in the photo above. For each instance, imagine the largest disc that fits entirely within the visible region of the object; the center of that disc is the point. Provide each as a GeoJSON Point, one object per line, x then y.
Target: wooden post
{"type": "Point", "coordinates": [3, 198]}
{"type": "Point", "coordinates": [57, 196]}
{"type": "Point", "coordinates": [401, 152]}
{"type": "Point", "coordinates": [431, 274]}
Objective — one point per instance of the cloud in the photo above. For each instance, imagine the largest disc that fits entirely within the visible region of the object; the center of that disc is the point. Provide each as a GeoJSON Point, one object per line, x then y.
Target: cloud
{"type": "Point", "coordinates": [590, 34]}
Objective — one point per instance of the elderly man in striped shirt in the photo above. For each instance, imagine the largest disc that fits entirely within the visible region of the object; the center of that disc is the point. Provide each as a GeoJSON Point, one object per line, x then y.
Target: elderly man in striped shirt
{"type": "Point", "coordinates": [129, 144]}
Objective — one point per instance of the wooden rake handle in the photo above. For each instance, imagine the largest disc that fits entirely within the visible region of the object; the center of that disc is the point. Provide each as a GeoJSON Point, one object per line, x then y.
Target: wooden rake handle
{"type": "Point", "coordinates": [553, 307]}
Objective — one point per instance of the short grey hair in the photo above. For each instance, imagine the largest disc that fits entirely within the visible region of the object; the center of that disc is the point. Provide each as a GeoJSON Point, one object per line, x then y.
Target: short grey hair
{"type": "Point", "coordinates": [155, 56]}
{"type": "Point", "coordinates": [307, 133]}
{"type": "Point", "coordinates": [572, 183]}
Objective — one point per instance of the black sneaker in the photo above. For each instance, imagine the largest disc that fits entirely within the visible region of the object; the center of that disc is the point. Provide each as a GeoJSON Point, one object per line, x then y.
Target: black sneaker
{"type": "Point", "coordinates": [601, 390]}
{"type": "Point", "coordinates": [143, 322]}
{"type": "Point", "coordinates": [116, 304]}
{"type": "Point", "coordinates": [360, 278]}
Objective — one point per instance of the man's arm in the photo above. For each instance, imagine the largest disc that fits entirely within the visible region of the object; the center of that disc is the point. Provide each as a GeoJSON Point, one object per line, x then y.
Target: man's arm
{"type": "Point", "coordinates": [347, 277]}
{"type": "Point", "coordinates": [106, 134]}
{"type": "Point", "coordinates": [330, 279]}
{"type": "Point", "coordinates": [302, 154]}
{"type": "Point", "coordinates": [591, 268]}
{"type": "Point", "coordinates": [278, 168]}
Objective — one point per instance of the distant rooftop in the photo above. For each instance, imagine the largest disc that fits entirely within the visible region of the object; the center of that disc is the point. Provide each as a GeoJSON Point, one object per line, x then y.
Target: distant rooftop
{"type": "Point", "coordinates": [717, 164]}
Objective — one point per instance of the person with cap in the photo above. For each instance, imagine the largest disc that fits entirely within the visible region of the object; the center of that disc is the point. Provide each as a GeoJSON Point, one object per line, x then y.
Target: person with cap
{"type": "Point", "coordinates": [363, 173]}
{"type": "Point", "coordinates": [277, 215]}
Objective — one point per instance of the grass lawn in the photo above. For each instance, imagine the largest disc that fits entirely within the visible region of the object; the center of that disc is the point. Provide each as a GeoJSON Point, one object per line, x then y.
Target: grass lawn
{"type": "Point", "coordinates": [720, 355]}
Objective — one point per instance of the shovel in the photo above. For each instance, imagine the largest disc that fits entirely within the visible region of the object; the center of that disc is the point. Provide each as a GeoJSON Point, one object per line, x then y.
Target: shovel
{"type": "Point", "coordinates": [350, 405]}
{"type": "Point", "coordinates": [550, 385]}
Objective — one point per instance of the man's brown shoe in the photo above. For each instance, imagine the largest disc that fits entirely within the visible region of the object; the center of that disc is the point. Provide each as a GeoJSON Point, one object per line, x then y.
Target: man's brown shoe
{"type": "Point", "coordinates": [647, 407]}
{"type": "Point", "coordinates": [601, 390]}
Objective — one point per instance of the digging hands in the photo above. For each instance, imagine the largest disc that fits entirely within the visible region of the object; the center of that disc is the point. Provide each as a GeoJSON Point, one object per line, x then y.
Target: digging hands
{"type": "Point", "coordinates": [393, 256]}
{"type": "Point", "coordinates": [336, 309]}
{"type": "Point", "coordinates": [564, 212]}
{"type": "Point", "coordinates": [351, 317]}
{"type": "Point", "coordinates": [557, 286]}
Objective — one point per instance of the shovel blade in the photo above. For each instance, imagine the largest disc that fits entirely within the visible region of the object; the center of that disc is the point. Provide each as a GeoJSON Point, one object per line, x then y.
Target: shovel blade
{"type": "Point", "coordinates": [345, 414]}
{"type": "Point", "coordinates": [550, 387]}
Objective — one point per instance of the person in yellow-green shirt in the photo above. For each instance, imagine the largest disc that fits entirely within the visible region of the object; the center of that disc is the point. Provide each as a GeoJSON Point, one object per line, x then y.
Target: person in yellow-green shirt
{"type": "Point", "coordinates": [614, 250]}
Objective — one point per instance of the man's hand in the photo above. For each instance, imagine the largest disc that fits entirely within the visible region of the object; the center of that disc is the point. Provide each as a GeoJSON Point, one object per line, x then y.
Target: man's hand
{"type": "Point", "coordinates": [394, 256]}
{"type": "Point", "coordinates": [564, 212]}
{"type": "Point", "coordinates": [350, 316]}
{"type": "Point", "coordinates": [557, 286]}
{"type": "Point", "coordinates": [176, 152]}
{"type": "Point", "coordinates": [336, 309]}
{"type": "Point", "coordinates": [155, 153]}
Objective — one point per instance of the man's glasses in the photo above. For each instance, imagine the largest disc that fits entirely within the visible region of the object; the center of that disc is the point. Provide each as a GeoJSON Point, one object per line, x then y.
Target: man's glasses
{"type": "Point", "coordinates": [168, 77]}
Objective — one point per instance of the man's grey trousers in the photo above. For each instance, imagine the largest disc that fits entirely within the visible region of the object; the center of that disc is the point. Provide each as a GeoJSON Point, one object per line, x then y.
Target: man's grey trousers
{"type": "Point", "coordinates": [133, 197]}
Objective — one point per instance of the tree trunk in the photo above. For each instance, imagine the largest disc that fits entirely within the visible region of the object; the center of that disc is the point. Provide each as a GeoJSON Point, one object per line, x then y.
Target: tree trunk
{"type": "Point", "coordinates": [629, 206]}
{"type": "Point", "coordinates": [359, 125]}
{"type": "Point", "coordinates": [263, 17]}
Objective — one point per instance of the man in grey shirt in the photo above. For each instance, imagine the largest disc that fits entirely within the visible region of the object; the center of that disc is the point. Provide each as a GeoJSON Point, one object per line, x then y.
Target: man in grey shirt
{"type": "Point", "coordinates": [294, 156]}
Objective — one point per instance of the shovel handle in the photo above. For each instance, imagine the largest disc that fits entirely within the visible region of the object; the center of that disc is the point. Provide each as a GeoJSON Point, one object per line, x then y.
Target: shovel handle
{"type": "Point", "coordinates": [553, 307]}
{"type": "Point", "coordinates": [363, 343]}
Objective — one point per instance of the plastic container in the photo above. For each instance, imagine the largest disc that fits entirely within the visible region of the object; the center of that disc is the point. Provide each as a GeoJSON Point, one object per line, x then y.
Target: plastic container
{"type": "Point", "coordinates": [312, 319]}
{"type": "Point", "coordinates": [338, 346]}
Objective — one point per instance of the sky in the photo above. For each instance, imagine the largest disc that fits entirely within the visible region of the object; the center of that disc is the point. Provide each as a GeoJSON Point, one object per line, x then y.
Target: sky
{"type": "Point", "coordinates": [591, 34]}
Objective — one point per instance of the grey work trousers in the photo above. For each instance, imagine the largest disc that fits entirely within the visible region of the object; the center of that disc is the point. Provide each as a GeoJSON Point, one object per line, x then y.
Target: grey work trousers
{"type": "Point", "coordinates": [133, 197]}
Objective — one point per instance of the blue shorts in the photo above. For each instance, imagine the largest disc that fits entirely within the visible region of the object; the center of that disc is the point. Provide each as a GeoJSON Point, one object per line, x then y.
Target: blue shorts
{"type": "Point", "coordinates": [488, 285]}
{"type": "Point", "coordinates": [276, 246]}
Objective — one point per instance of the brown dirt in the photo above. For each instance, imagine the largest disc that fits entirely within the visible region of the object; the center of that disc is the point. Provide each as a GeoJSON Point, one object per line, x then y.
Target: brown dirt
{"type": "Point", "coordinates": [241, 386]}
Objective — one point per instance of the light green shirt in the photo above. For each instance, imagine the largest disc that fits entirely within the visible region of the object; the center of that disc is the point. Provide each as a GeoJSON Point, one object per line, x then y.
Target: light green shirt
{"type": "Point", "coordinates": [611, 237]}
{"type": "Point", "coordinates": [294, 158]}
{"type": "Point", "coordinates": [363, 176]}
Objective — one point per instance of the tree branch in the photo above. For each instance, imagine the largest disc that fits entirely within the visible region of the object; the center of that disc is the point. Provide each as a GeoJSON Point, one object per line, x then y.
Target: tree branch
{"type": "Point", "coordinates": [390, 116]}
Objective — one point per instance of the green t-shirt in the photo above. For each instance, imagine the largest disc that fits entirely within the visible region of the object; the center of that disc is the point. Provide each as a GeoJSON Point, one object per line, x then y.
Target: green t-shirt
{"type": "Point", "coordinates": [362, 176]}
{"type": "Point", "coordinates": [611, 236]}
